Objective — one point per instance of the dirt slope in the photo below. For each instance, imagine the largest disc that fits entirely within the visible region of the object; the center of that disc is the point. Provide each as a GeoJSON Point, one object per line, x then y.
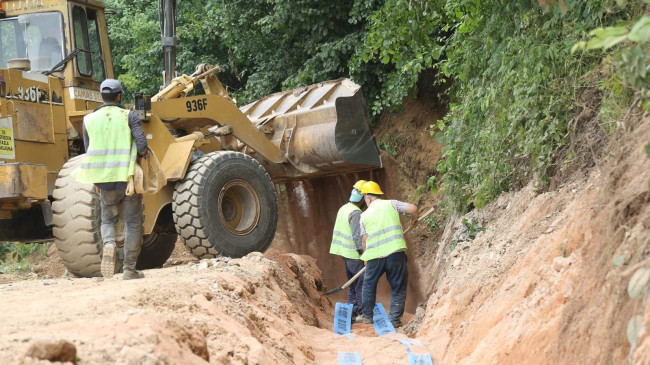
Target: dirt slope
{"type": "Point", "coordinates": [539, 285]}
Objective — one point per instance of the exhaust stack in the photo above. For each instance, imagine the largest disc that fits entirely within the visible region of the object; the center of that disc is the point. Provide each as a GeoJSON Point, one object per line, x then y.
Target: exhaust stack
{"type": "Point", "coordinates": [167, 19]}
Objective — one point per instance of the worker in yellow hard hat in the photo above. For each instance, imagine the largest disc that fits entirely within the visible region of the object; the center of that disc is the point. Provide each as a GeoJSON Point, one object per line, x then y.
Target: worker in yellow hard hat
{"type": "Point", "coordinates": [384, 251]}
{"type": "Point", "coordinates": [359, 184]}
{"type": "Point", "coordinates": [346, 242]}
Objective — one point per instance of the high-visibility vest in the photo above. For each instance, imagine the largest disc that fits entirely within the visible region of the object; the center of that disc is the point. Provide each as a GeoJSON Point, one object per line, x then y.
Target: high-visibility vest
{"type": "Point", "coordinates": [384, 230]}
{"type": "Point", "coordinates": [112, 151]}
{"type": "Point", "coordinates": [342, 242]}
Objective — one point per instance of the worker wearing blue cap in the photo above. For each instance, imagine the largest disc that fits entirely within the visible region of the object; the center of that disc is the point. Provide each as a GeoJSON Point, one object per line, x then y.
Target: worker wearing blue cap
{"type": "Point", "coordinates": [113, 138]}
{"type": "Point", "coordinates": [346, 242]}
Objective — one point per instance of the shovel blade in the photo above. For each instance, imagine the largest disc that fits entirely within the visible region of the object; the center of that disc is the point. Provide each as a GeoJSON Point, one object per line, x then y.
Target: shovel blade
{"type": "Point", "coordinates": [336, 290]}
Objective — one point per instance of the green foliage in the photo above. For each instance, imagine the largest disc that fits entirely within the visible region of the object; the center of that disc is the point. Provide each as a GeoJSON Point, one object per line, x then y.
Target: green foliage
{"type": "Point", "coordinates": [433, 224]}
{"type": "Point", "coordinates": [634, 326]}
{"type": "Point", "coordinates": [515, 84]}
{"type": "Point", "coordinates": [264, 46]}
{"type": "Point", "coordinates": [388, 146]}
{"type": "Point", "coordinates": [471, 229]}
{"type": "Point", "coordinates": [405, 36]}
{"type": "Point", "coordinates": [638, 282]}
{"type": "Point", "coordinates": [277, 45]}
{"type": "Point", "coordinates": [430, 187]}
{"type": "Point", "coordinates": [636, 287]}
{"type": "Point", "coordinates": [13, 255]}
{"type": "Point", "coordinates": [135, 37]}
{"type": "Point", "coordinates": [616, 99]}
{"type": "Point", "coordinates": [515, 79]}
{"type": "Point", "coordinates": [632, 66]}
{"type": "Point", "coordinates": [631, 61]}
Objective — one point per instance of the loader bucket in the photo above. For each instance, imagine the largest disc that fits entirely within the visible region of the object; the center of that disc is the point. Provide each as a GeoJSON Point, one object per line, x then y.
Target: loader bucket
{"type": "Point", "coordinates": [323, 129]}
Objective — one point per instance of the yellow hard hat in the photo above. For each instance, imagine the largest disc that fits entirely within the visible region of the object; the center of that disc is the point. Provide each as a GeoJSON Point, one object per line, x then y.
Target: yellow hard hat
{"type": "Point", "coordinates": [371, 187]}
{"type": "Point", "coordinates": [359, 184]}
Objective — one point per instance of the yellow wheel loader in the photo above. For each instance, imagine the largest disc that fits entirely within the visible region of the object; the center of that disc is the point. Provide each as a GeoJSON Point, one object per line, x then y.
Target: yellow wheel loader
{"type": "Point", "coordinates": [221, 162]}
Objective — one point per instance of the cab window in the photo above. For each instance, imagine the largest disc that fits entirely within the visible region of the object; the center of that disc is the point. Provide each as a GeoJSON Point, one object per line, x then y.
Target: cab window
{"type": "Point", "coordinates": [81, 41]}
{"type": "Point", "coordinates": [95, 46]}
{"type": "Point", "coordinates": [38, 37]}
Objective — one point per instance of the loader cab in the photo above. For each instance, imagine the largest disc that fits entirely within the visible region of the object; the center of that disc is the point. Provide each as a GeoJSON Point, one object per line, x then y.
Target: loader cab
{"type": "Point", "coordinates": [53, 56]}
{"type": "Point", "coordinates": [47, 32]}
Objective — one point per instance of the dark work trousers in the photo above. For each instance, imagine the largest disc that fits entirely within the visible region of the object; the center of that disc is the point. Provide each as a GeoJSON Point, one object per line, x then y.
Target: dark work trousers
{"type": "Point", "coordinates": [352, 267]}
{"type": "Point", "coordinates": [394, 265]}
{"type": "Point", "coordinates": [113, 204]}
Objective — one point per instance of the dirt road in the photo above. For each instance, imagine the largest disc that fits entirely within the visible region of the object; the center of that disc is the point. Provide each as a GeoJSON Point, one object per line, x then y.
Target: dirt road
{"type": "Point", "coordinates": [241, 311]}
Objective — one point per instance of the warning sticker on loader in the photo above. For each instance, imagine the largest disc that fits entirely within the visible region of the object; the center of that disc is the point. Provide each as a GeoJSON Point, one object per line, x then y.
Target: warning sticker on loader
{"type": "Point", "coordinates": [7, 150]}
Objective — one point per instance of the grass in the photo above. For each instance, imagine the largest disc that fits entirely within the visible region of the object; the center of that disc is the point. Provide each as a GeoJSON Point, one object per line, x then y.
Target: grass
{"type": "Point", "coordinates": [19, 258]}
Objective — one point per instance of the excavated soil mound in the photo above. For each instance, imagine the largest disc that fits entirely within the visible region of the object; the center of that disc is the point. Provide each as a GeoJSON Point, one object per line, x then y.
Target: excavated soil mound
{"type": "Point", "coordinates": [261, 309]}
{"type": "Point", "coordinates": [229, 311]}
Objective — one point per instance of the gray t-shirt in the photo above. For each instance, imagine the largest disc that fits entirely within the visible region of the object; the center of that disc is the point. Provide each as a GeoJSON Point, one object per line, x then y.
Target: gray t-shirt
{"type": "Point", "coordinates": [354, 219]}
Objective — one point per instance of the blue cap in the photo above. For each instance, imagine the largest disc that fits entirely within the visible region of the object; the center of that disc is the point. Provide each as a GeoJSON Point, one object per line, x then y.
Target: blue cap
{"type": "Point", "coordinates": [356, 196]}
{"type": "Point", "coordinates": [110, 86]}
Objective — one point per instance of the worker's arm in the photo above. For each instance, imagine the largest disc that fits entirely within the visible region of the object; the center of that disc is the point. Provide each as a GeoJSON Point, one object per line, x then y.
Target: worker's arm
{"type": "Point", "coordinates": [86, 138]}
{"type": "Point", "coordinates": [406, 208]}
{"type": "Point", "coordinates": [364, 238]}
{"type": "Point", "coordinates": [353, 220]}
{"type": "Point", "coordinates": [413, 211]}
{"type": "Point", "coordinates": [138, 134]}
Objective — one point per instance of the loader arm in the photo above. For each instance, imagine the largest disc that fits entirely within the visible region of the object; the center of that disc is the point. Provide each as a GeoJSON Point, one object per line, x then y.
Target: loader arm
{"type": "Point", "coordinates": [213, 110]}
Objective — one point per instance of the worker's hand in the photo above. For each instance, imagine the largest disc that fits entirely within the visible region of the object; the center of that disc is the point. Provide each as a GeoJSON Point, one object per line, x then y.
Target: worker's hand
{"type": "Point", "coordinates": [414, 221]}
{"type": "Point", "coordinates": [360, 252]}
{"type": "Point", "coordinates": [97, 189]}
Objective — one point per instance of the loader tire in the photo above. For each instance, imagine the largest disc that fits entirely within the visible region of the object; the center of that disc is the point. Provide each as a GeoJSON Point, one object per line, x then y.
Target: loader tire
{"type": "Point", "coordinates": [225, 205]}
{"type": "Point", "coordinates": [76, 222]}
{"type": "Point", "coordinates": [159, 245]}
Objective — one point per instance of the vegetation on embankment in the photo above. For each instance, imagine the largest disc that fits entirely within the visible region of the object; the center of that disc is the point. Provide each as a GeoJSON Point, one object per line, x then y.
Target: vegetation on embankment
{"type": "Point", "coordinates": [516, 86]}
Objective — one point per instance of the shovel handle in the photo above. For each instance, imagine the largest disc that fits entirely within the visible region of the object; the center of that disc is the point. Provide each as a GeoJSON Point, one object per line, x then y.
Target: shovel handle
{"type": "Point", "coordinates": [355, 277]}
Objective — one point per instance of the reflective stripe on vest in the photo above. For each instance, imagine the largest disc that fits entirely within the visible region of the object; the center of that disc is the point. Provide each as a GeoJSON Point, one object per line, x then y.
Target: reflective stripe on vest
{"type": "Point", "coordinates": [342, 241]}
{"type": "Point", "coordinates": [111, 151]}
{"type": "Point", "coordinates": [384, 230]}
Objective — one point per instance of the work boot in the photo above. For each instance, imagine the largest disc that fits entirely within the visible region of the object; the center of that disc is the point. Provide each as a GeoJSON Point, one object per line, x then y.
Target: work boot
{"type": "Point", "coordinates": [107, 267]}
{"type": "Point", "coordinates": [363, 319]}
{"type": "Point", "coordinates": [397, 324]}
{"type": "Point", "coordinates": [130, 274]}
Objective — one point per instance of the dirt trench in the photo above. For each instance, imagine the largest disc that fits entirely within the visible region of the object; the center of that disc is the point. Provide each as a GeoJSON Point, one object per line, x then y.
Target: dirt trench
{"type": "Point", "coordinates": [308, 208]}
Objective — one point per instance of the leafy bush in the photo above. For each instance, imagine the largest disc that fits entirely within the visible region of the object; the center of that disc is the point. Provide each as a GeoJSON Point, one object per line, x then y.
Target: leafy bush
{"type": "Point", "coordinates": [515, 86]}
{"type": "Point", "coordinates": [631, 61]}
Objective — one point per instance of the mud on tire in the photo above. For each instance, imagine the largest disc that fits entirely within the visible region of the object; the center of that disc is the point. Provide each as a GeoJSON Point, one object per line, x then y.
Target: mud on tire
{"type": "Point", "coordinates": [225, 205]}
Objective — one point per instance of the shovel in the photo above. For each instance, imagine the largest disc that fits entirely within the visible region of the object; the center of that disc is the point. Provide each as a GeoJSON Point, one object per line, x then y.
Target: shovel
{"type": "Point", "coordinates": [356, 276]}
